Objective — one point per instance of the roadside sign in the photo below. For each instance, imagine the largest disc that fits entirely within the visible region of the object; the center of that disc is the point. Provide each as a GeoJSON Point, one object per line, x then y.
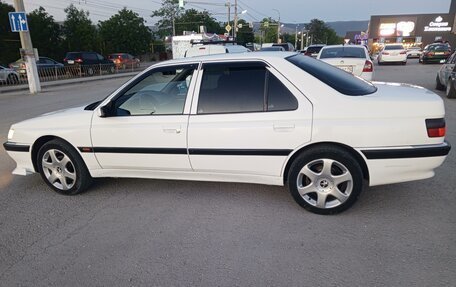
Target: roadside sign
{"type": "Point", "coordinates": [228, 28]}
{"type": "Point", "coordinates": [239, 26]}
{"type": "Point", "coordinates": [18, 21]}
{"type": "Point", "coordinates": [181, 3]}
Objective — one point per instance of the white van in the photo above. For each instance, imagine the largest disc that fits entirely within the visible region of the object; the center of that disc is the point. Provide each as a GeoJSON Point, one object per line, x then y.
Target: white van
{"type": "Point", "coordinates": [202, 50]}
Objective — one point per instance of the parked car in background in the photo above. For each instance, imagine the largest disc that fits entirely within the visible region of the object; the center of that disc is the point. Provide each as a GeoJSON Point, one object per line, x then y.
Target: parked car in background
{"type": "Point", "coordinates": [313, 50]}
{"type": "Point", "coordinates": [265, 118]}
{"type": "Point", "coordinates": [350, 58]}
{"type": "Point", "coordinates": [273, 49]}
{"type": "Point", "coordinates": [42, 64]}
{"type": "Point", "coordinates": [88, 63]}
{"type": "Point", "coordinates": [211, 49]}
{"type": "Point", "coordinates": [124, 60]}
{"type": "Point", "coordinates": [392, 53]}
{"type": "Point", "coordinates": [450, 89]}
{"type": "Point", "coordinates": [286, 46]}
{"type": "Point", "coordinates": [435, 53]}
{"type": "Point", "coordinates": [445, 72]}
{"type": "Point", "coordinates": [414, 52]}
{"type": "Point", "coordinates": [8, 76]}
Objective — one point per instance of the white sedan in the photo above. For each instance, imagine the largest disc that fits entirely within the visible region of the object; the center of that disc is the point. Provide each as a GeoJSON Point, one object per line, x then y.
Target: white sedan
{"type": "Point", "coordinates": [276, 118]}
{"type": "Point", "coordinates": [393, 53]}
{"type": "Point", "coordinates": [350, 58]}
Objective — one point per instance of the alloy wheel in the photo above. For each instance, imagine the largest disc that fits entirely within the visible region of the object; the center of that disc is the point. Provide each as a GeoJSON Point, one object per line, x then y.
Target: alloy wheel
{"type": "Point", "coordinates": [58, 169]}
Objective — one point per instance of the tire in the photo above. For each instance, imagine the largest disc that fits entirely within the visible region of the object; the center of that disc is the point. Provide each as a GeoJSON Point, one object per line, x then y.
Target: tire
{"type": "Point", "coordinates": [12, 79]}
{"type": "Point", "coordinates": [68, 178]}
{"type": "Point", "coordinates": [450, 91]}
{"type": "Point", "coordinates": [438, 85]}
{"type": "Point", "coordinates": [314, 175]}
{"type": "Point", "coordinates": [404, 63]}
{"type": "Point", "coordinates": [379, 63]}
{"type": "Point", "coordinates": [89, 71]}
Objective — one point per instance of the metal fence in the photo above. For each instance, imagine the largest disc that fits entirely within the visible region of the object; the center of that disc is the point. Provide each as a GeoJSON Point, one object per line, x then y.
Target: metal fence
{"type": "Point", "coordinates": [19, 76]}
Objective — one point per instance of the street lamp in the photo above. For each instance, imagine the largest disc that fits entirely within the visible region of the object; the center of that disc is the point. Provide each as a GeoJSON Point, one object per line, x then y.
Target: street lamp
{"type": "Point", "coordinates": [296, 36]}
{"type": "Point", "coordinates": [278, 26]}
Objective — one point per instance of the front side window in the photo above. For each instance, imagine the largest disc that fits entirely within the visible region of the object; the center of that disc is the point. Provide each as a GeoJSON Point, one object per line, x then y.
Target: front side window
{"type": "Point", "coordinates": [161, 92]}
{"type": "Point", "coordinates": [242, 88]}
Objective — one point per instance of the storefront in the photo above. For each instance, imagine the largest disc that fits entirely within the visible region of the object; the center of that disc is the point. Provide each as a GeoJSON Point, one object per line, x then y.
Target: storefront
{"type": "Point", "coordinates": [412, 30]}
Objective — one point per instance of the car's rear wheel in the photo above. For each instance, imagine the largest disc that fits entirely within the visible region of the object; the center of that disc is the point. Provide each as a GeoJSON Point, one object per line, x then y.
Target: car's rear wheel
{"type": "Point", "coordinates": [62, 168]}
{"type": "Point", "coordinates": [325, 180]}
{"type": "Point", "coordinates": [450, 90]}
{"type": "Point", "coordinates": [12, 79]}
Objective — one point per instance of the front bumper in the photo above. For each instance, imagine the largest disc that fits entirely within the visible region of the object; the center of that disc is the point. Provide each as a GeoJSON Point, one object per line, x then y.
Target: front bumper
{"type": "Point", "coordinates": [21, 154]}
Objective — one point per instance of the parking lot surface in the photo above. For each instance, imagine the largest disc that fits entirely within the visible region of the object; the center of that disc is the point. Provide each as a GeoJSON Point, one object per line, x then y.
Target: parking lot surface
{"type": "Point", "coordinates": [137, 232]}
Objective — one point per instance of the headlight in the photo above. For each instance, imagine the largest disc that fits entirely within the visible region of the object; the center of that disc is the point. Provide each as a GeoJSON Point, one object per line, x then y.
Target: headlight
{"type": "Point", "coordinates": [10, 134]}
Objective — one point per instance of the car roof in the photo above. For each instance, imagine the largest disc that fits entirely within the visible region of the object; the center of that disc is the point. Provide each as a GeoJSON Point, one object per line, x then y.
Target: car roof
{"type": "Point", "coordinates": [235, 56]}
{"type": "Point", "coordinates": [345, 46]}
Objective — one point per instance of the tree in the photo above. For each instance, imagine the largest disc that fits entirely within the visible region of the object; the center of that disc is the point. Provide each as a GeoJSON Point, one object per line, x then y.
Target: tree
{"type": "Point", "coordinates": [168, 13]}
{"type": "Point", "coordinates": [125, 32]}
{"type": "Point", "coordinates": [78, 31]}
{"type": "Point", "coordinates": [245, 34]}
{"type": "Point", "coordinates": [45, 33]}
{"type": "Point", "coordinates": [322, 33]}
{"type": "Point", "coordinates": [9, 41]}
{"type": "Point", "coordinates": [192, 19]}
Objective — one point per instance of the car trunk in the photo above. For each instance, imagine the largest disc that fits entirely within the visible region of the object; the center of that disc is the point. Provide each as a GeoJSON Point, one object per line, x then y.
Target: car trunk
{"type": "Point", "coordinates": [351, 65]}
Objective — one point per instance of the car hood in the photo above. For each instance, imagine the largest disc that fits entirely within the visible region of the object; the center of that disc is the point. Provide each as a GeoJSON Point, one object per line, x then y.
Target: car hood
{"type": "Point", "coordinates": [61, 119]}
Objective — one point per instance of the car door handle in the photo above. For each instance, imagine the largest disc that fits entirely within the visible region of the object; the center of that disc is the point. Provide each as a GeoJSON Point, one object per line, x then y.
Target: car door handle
{"type": "Point", "coordinates": [284, 127]}
{"type": "Point", "coordinates": [172, 131]}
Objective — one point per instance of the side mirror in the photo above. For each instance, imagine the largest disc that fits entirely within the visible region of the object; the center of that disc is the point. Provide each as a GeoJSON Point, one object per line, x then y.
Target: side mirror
{"type": "Point", "coordinates": [105, 111]}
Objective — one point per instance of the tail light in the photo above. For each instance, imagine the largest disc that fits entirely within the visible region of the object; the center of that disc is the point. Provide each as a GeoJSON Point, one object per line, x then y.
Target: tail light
{"type": "Point", "coordinates": [403, 52]}
{"type": "Point", "coordinates": [65, 59]}
{"type": "Point", "coordinates": [385, 53]}
{"type": "Point", "coordinates": [368, 66]}
{"type": "Point", "coordinates": [78, 60]}
{"type": "Point", "coordinates": [430, 54]}
{"type": "Point", "coordinates": [22, 66]}
{"type": "Point", "coordinates": [436, 128]}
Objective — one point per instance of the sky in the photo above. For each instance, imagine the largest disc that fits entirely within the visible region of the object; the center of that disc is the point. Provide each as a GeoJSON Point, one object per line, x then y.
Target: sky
{"type": "Point", "coordinates": [291, 11]}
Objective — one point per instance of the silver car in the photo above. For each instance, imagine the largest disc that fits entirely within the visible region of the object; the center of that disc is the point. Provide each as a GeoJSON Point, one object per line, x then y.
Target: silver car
{"type": "Point", "coordinates": [8, 76]}
{"type": "Point", "coordinates": [444, 73]}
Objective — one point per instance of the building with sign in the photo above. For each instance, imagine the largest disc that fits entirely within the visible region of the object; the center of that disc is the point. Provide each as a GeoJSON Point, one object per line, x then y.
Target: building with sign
{"type": "Point", "coordinates": [414, 30]}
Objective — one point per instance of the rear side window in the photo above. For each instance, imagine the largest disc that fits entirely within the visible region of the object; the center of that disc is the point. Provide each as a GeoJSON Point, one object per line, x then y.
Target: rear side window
{"type": "Point", "coordinates": [343, 52]}
{"type": "Point", "coordinates": [314, 50]}
{"type": "Point", "coordinates": [394, 47]}
{"type": "Point", "coordinates": [90, 56]}
{"type": "Point", "coordinates": [337, 79]}
{"type": "Point", "coordinates": [242, 88]}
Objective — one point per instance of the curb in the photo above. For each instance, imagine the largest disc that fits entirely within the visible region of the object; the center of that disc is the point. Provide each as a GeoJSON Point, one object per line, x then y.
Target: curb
{"type": "Point", "coordinates": [68, 82]}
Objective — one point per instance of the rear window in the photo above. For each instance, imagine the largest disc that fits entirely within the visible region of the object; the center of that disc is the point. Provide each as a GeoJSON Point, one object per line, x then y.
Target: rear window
{"type": "Point", "coordinates": [337, 79]}
{"type": "Point", "coordinates": [73, 56]}
{"type": "Point", "coordinates": [438, 48]}
{"type": "Point", "coordinates": [394, 47]}
{"type": "Point", "coordinates": [343, 52]}
{"type": "Point", "coordinates": [314, 50]}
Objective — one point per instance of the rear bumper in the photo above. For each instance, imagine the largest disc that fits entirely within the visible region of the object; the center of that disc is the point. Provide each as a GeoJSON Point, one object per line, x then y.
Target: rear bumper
{"type": "Point", "coordinates": [400, 164]}
{"type": "Point", "coordinates": [399, 58]}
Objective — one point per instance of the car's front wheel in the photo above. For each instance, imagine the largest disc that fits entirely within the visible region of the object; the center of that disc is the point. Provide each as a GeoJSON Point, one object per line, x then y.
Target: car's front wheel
{"type": "Point", "coordinates": [438, 84]}
{"type": "Point", "coordinates": [62, 168]}
{"type": "Point", "coordinates": [325, 180]}
{"type": "Point", "coordinates": [450, 90]}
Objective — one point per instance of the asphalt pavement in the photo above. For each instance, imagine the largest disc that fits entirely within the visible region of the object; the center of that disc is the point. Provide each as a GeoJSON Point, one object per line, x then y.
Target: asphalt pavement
{"type": "Point", "coordinates": [138, 232]}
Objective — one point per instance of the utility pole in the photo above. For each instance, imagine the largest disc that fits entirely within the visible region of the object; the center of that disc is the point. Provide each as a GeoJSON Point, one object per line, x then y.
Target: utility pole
{"type": "Point", "coordinates": [228, 4]}
{"type": "Point", "coordinates": [30, 61]}
{"type": "Point", "coordinates": [278, 26]}
{"type": "Point", "coordinates": [235, 20]}
{"type": "Point", "coordinates": [296, 37]}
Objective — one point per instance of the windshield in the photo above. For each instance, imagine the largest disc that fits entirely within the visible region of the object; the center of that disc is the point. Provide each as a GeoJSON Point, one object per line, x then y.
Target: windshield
{"type": "Point", "coordinates": [336, 78]}
{"type": "Point", "coordinates": [343, 52]}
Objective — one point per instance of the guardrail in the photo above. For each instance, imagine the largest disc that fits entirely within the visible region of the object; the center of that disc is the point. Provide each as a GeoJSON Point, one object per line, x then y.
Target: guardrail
{"type": "Point", "coordinates": [67, 72]}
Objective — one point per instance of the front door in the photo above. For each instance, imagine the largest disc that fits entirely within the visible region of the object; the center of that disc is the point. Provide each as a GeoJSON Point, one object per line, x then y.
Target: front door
{"type": "Point", "coordinates": [146, 128]}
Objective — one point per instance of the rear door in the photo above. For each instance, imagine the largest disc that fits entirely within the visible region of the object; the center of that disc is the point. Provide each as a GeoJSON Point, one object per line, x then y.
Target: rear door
{"type": "Point", "coordinates": [446, 69]}
{"type": "Point", "coordinates": [246, 119]}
